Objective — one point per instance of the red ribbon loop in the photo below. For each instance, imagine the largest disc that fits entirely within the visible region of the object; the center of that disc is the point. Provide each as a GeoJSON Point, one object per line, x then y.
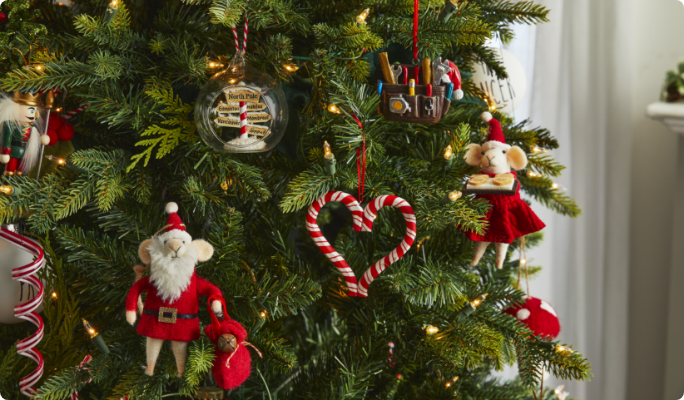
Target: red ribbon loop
{"type": "Point", "coordinates": [361, 160]}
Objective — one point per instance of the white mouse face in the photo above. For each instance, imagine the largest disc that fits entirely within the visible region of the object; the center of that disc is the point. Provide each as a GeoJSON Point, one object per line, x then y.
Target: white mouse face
{"type": "Point", "coordinates": [494, 159]}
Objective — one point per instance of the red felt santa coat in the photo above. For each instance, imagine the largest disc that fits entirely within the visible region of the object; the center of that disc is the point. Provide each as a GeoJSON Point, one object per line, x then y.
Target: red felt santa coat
{"type": "Point", "coordinates": [152, 322]}
{"type": "Point", "coordinates": [509, 217]}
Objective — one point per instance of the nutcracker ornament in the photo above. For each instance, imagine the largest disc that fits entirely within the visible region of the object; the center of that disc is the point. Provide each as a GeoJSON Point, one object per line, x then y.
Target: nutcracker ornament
{"type": "Point", "coordinates": [170, 311]}
{"type": "Point", "coordinates": [509, 217]}
{"type": "Point", "coordinates": [20, 139]}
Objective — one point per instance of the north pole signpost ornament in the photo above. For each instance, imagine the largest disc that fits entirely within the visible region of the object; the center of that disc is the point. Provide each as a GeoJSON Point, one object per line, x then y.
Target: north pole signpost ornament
{"type": "Point", "coordinates": [243, 109]}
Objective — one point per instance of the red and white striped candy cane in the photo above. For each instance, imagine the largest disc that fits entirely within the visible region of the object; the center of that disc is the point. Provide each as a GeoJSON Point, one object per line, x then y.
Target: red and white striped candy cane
{"type": "Point", "coordinates": [71, 113]}
{"type": "Point", "coordinates": [322, 243]}
{"type": "Point", "coordinates": [26, 311]}
{"type": "Point", "coordinates": [369, 214]}
{"type": "Point", "coordinates": [83, 366]}
{"type": "Point", "coordinates": [363, 222]}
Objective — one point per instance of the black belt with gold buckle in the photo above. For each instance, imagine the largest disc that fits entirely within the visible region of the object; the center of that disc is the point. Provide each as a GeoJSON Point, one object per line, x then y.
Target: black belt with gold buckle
{"type": "Point", "coordinates": [169, 315]}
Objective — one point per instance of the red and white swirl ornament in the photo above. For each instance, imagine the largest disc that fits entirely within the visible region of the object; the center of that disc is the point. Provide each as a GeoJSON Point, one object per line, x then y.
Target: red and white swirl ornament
{"type": "Point", "coordinates": [363, 222]}
{"type": "Point", "coordinates": [26, 310]}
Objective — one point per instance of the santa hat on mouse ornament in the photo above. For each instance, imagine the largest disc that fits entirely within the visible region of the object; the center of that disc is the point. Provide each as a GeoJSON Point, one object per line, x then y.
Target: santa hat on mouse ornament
{"type": "Point", "coordinates": [171, 308]}
{"type": "Point", "coordinates": [509, 217]}
{"type": "Point", "coordinates": [538, 315]}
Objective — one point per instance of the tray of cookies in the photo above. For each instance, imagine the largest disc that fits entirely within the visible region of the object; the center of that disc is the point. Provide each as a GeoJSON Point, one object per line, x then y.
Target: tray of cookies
{"type": "Point", "coordinates": [484, 184]}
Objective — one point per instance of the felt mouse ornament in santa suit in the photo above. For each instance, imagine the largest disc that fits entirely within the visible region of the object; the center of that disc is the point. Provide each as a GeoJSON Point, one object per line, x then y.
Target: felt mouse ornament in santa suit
{"type": "Point", "coordinates": [538, 315]}
{"type": "Point", "coordinates": [509, 217]}
{"type": "Point", "coordinates": [173, 288]}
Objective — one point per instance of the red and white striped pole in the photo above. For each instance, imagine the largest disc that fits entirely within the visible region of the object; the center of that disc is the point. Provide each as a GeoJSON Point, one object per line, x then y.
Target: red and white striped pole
{"type": "Point", "coordinates": [244, 129]}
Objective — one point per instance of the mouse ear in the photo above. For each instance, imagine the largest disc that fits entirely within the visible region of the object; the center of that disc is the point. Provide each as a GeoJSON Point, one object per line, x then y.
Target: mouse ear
{"type": "Point", "coordinates": [144, 252]}
{"type": "Point", "coordinates": [204, 249]}
{"type": "Point", "coordinates": [474, 154]}
{"type": "Point", "coordinates": [517, 158]}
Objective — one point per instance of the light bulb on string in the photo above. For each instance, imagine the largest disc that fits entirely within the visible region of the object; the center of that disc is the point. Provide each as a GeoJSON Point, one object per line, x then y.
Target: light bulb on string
{"type": "Point", "coordinates": [291, 67]}
{"type": "Point", "coordinates": [54, 295]}
{"type": "Point", "coordinates": [60, 161]}
{"type": "Point", "coordinates": [431, 330]}
{"type": "Point", "coordinates": [263, 314]}
{"type": "Point", "coordinates": [532, 174]}
{"type": "Point", "coordinates": [9, 190]}
{"type": "Point", "coordinates": [361, 18]}
{"type": "Point", "coordinates": [451, 382]}
{"type": "Point", "coordinates": [334, 109]}
{"type": "Point", "coordinates": [478, 300]}
{"type": "Point", "coordinates": [329, 159]}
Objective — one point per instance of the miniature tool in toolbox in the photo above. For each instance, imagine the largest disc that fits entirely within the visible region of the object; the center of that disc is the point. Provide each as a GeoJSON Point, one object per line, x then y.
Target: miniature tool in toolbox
{"type": "Point", "coordinates": [418, 93]}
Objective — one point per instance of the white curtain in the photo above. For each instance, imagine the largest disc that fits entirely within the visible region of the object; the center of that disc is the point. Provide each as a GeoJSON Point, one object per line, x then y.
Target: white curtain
{"type": "Point", "coordinates": [579, 69]}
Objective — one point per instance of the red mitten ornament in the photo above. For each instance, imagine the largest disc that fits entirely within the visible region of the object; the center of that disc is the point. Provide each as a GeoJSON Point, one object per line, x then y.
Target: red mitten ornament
{"type": "Point", "coordinates": [233, 363]}
{"type": "Point", "coordinates": [538, 315]}
{"type": "Point", "coordinates": [59, 129]}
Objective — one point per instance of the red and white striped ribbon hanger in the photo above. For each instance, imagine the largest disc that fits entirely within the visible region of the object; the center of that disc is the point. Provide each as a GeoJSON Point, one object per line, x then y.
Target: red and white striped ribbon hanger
{"type": "Point", "coordinates": [27, 310]}
{"type": "Point", "coordinates": [75, 111]}
{"type": "Point", "coordinates": [244, 129]}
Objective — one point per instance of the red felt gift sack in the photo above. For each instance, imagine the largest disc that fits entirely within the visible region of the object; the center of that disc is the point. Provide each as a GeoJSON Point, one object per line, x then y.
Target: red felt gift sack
{"type": "Point", "coordinates": [232, 368]}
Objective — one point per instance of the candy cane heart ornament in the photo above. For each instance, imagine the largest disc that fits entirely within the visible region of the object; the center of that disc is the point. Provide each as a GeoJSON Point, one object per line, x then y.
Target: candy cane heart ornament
{"type": "Point", "coordinates": [363, 222]}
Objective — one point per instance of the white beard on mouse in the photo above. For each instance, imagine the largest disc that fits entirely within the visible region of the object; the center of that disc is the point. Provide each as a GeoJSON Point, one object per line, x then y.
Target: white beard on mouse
{"type": "Point", "coordinates": [170, 271]}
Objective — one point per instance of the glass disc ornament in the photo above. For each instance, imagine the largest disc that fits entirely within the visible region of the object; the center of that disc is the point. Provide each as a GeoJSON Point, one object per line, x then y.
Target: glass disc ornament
{"type": "Point", "coordinates": [241, 110]}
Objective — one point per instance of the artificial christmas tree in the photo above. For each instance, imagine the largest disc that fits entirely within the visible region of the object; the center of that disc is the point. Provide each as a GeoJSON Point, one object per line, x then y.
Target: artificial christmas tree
{"type": "Point", "coordinates": [135, 68]}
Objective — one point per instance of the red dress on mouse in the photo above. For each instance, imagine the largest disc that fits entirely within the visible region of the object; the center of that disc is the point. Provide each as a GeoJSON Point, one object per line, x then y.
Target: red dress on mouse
{"type": "Point", "coordinates": [509, 218]}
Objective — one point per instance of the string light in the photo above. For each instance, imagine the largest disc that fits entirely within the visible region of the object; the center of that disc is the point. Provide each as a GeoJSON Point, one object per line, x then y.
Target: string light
{"type": "Point", "coordinates": [263, 314]}
{"type": "Point", "coordinates": [214, 64]}
{"type": "Point", "coordinates": [477, 301]}
{"type": "Point", "coordinates": [532, 174]}
{"type": "Point", "coordinates": [361, 18]}
{"type": "Point", "coordinates": [8, 190]}
{"type": "Point", "coordinates": [333, 109]}
{"type": "Point", "coordinates": [329, 158]}
{"type": "Point", "coordinates": [554, 186]}
{"type": "Point", "coordinates": [559, 389]}
{"type": "Point", "coordinates": [490, 103]}
{"type": "Point", "coordinates": [536, 149]}
{"type": "Point", "coordinates": [112, 9]}
{"type": "Point", "coordinates": [448, 153]}
{"type": "Point", "coordinates": [54, 295]}
{"type": "Point", "coordinates": [291, 67]}
{"type": "Point", "coordinates": [59, 161]}
{"type": "Point", "coordinates": [431, 330]}
{"type": "Point", "coordinates": [523, 261]}
{"type": "Point", "coordinates": [58, 109]}
{"type": "Point", "coordinates": [95, 337]}
{"type": "Point", "coordinates": [226, 184]}
{"type": "Point", "coordinates": [450, 197]}
{"type": "Point", "coordinates": [560, 349]}
{"type": "Point", "coordinates": [453, 196]}
{"type": "Point", "coordinates": [451, 382]}
{"type": "Point", "coordinates": [232, 81]}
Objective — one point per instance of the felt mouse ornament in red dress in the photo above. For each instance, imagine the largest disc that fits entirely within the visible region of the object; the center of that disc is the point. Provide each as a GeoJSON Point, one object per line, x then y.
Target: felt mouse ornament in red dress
{"type": "Point", "coordinates": [171, 309]}
{"type": "Point", "coordinates": [233, 363]}
{"type": "Point", "coordinates": [509, 217]}
{"type": "Point", "coordinates": [538, 315]}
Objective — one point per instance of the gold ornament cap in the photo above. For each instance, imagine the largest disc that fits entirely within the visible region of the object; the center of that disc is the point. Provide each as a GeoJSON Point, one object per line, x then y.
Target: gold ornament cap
{"type": "Point", "coordinates": [26, 99]}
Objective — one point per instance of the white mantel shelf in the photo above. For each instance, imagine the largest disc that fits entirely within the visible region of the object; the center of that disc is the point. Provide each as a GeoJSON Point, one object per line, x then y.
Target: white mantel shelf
{"type": "Point", "coordinates": [670, 114]}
